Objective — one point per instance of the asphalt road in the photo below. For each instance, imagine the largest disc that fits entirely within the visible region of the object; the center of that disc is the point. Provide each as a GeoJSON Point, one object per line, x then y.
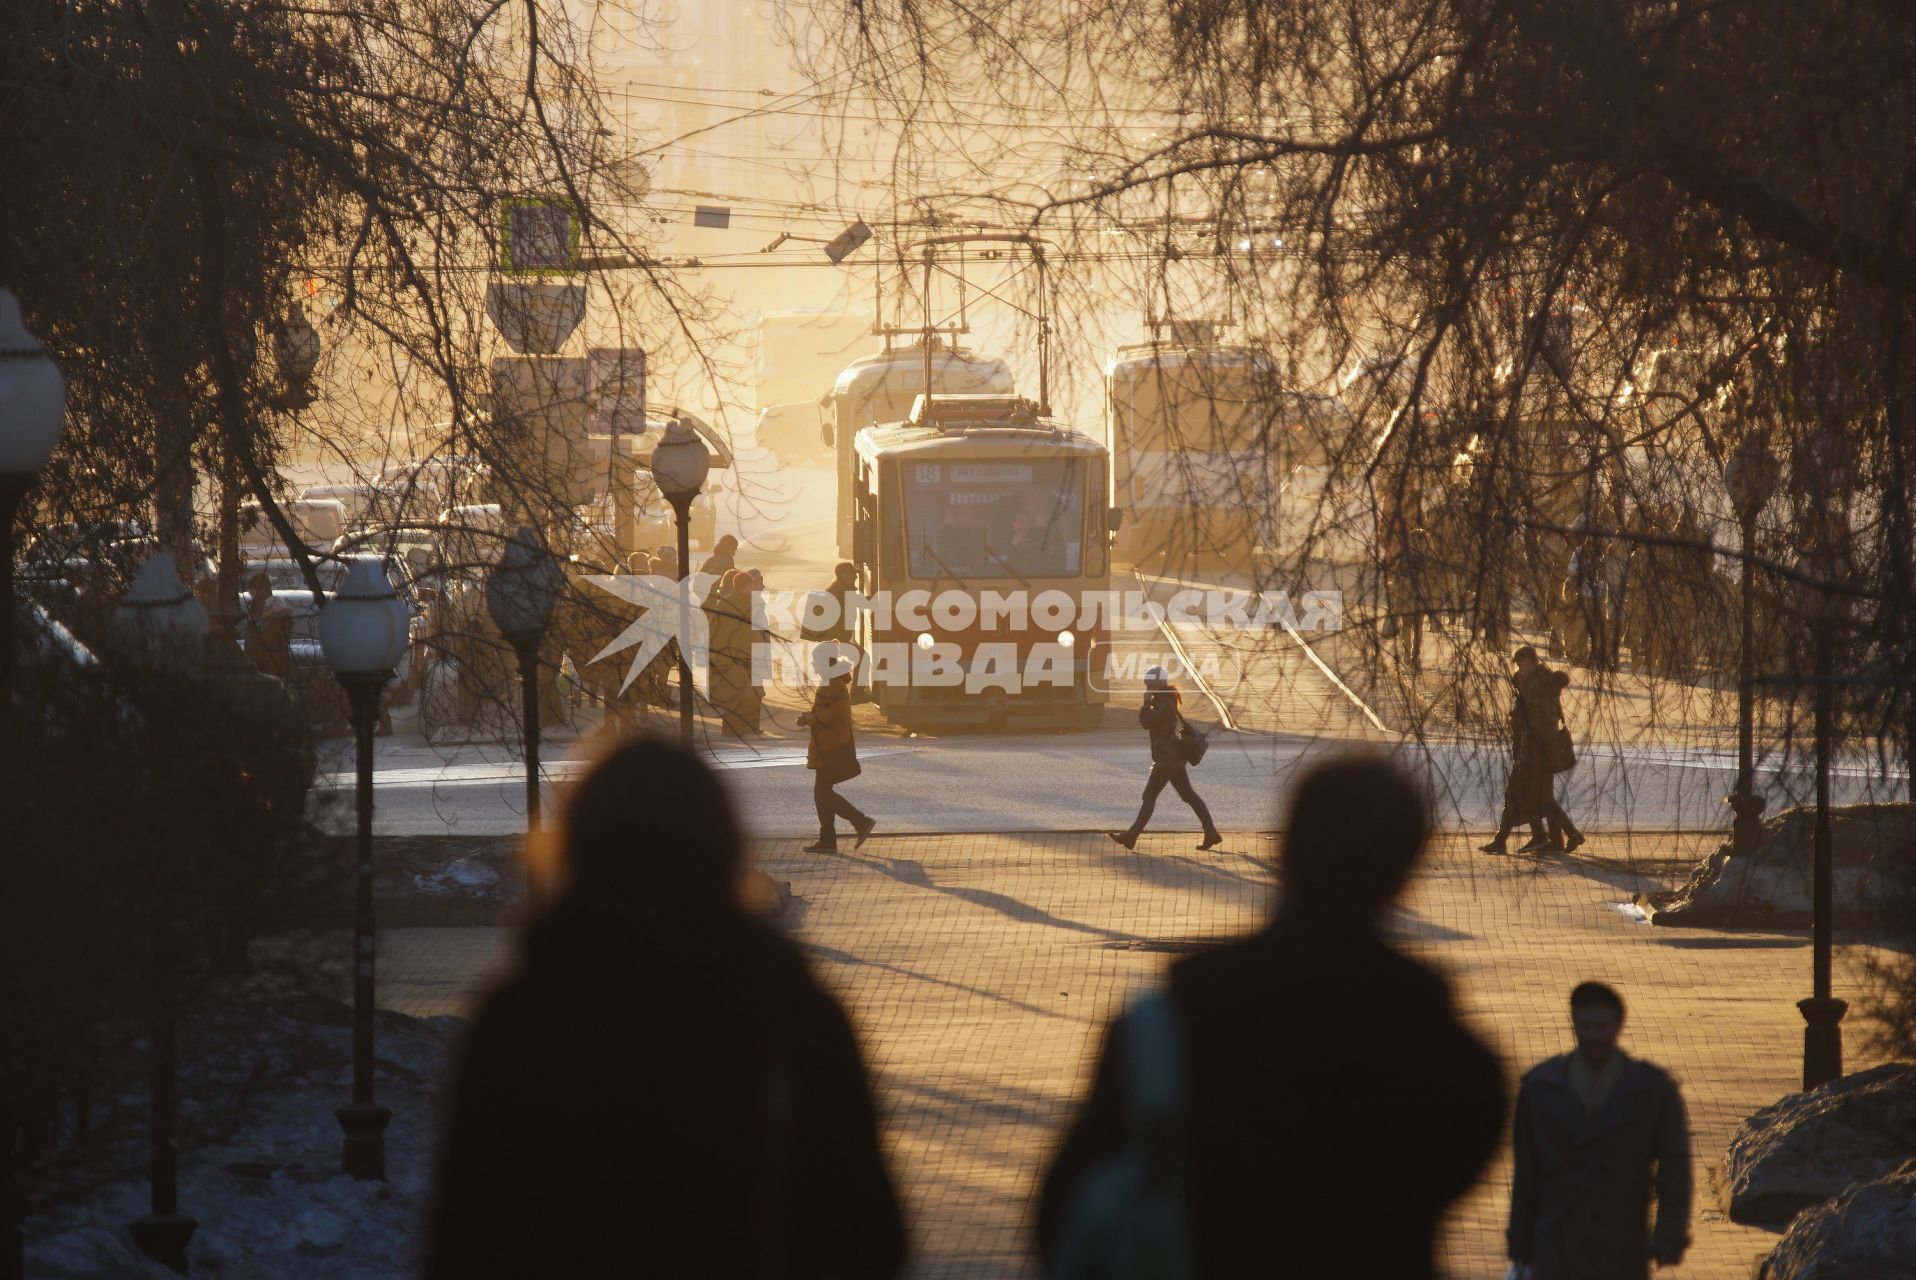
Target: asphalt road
{"type": "Point", "coordinates": [1072, 781]}
{"type": "Point", "coordinates": [1062, 781]}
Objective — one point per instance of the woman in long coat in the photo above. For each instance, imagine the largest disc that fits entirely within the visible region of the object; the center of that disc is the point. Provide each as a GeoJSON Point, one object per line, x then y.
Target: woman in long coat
{"type": "Point", "coordinates": [832, 753]}
{"type": "Point", "coordinates": [661, 1088]}
{"type": "Point", "coordinates": [728, 615]}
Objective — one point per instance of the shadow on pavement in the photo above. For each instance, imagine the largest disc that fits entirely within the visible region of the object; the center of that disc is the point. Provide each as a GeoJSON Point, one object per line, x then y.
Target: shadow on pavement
{"type": "Point", "coordinates": [911, 872]}
{"type": "Point", "coordinates": [818, 951]}
{"type": "Point", "coordinates": [1732, 942]}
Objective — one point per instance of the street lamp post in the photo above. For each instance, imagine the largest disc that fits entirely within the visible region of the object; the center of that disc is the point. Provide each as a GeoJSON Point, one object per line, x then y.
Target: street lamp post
{"type": "Point", "coordinates": [520, 594]}
{"type": "Point", "coordinates": [1750, 478]}
{"type": "Point", "coordinates": [1822, 471]}
{"type": "Point", "coordinates": [33, 399]}
{"type": "Point", "coordinates": [680, 462]}
{"type": "Point", "coordinates": [362, 632]}
{"type": "Point", "coordinates": [160, 629]}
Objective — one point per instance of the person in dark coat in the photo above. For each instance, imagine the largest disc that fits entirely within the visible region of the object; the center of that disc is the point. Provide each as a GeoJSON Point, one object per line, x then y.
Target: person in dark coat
{"type": "Point", "coordinates": [1160, 717]}
{"type": "Point", "coordinates": [1599, 1135]}
{"type": "Point", "coordinates": [1536, 720]}
{"type": "Point", "coordinates": [832, 614]}
{"type": "Point", "coordinates": [724, 557]}
{"type": "Point", "coordinates": [661, 1088]}
{"type": "Point", "coordinates": [1335, 1105]}
{"type": "Point", "coordinates": [832, 753]}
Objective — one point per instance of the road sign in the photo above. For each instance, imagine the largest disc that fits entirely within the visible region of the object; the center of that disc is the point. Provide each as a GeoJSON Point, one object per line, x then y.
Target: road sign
{"type": "Point", "coordinates": [538, 236]}
{"type": "Point", "coordinates": [847, 240]}
{"type": "Point", "coordinates": [618, 390]}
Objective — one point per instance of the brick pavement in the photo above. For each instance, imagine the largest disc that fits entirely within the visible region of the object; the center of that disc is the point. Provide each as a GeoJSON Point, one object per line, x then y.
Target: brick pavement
{"type": "Point", "coordinates": [980, 969]}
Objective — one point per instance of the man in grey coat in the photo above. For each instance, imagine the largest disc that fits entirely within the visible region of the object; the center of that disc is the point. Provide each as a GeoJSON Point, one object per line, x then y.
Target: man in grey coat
{"type": "Point", "coordinates": [1598, 1134]}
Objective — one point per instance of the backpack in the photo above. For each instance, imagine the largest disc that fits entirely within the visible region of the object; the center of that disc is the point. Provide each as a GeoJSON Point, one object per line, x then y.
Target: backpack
{"type": "Point", "coordinates": [1192, 743]}
{"type": "Point", "coordinates": [1128, 1218]}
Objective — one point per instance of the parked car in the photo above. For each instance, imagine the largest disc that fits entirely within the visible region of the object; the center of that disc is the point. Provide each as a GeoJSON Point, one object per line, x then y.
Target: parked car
{"type": "Point", "coordinates": [53, 547]}
{"type": "Point", "coordinates": [318, 522]}
{"type": "Point", "coordinates": [285, 574]}
{"type": "Point", "coordinates": [306, 674]}
{"type": "Point", "coordinates": [364, 503]}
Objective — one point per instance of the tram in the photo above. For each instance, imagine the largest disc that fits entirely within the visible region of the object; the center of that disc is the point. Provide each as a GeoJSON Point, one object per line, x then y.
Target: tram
{"type": "Point", "coordinates": [882, 388]}
{"type": "Point", "coordinates": [1195, 457]}
{"type": "Point", "coordinates": [981, 536]}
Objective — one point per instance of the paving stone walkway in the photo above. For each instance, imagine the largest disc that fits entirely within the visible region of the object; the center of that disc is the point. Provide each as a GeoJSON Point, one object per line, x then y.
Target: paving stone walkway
{"type": "Point", "coordinates": [980, 969]}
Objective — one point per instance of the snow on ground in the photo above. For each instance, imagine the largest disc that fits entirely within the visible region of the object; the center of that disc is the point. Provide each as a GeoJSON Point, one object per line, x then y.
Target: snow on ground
{"type": "Point", "coordinates": [260, 1152]}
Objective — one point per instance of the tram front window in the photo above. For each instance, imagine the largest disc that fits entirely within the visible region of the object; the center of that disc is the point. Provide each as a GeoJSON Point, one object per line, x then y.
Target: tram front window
{"type": "Point", "coordinates": [995, 519]}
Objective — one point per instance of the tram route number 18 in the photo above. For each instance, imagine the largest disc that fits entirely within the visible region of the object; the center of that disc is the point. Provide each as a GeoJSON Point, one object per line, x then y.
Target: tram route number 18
{"type": "Point", "coordinates": [927, 473]}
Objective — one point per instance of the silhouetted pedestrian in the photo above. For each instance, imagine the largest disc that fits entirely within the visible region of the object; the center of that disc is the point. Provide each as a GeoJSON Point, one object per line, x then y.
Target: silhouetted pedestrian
{"type": "Point", "coordinates": [1539, 749]}
{"type": "Point", "coordinates": [729, 610]}
{"type": "Point", "coordinates": [832, 753]}
{"type": "Point", "coordinates": [1598, 1135]}
{"type": "Point", "coordinates": [661, 1088]}
{"type": "Point", "coordinates": [1330, 1105]}
{"type": "Point", "coordinates": [839, 623]}
{"type": "Point", "coordinates": [1162, 719]}
{"type": "Point", "coordinates": [724, 557]}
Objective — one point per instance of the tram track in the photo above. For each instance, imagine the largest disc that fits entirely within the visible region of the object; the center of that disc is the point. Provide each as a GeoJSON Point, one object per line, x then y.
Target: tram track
{"type": "Point", "coordinates": [1305, 679]}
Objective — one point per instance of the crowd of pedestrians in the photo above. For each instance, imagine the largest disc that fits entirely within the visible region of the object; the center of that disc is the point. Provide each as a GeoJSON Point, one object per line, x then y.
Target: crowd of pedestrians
{"type": "Point", "coordinates": [1302, 1101]}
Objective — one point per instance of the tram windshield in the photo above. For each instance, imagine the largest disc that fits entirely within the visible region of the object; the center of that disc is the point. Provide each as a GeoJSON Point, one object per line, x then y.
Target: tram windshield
{"type": "Point", "coordinates": [994, 519]}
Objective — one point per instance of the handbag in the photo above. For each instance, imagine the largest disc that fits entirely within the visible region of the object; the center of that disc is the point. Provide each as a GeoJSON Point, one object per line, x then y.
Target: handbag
{"type": "Point", "coordinates": [1191, 743]}
{"type": "Point", "coordinates": [838, 764]}
{"type": "Point", "coordinates": [1562, 752]}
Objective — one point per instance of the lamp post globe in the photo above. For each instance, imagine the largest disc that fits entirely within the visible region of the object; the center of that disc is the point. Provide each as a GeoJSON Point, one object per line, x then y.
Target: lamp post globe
{"type": "Point", "coordinates": [363, 628]}
{"type": "Point", "coordinates": [33, 399]}
{"type": "Point", "coordinates": [523, 588]}
{"type": "Point", "coordinates": [362, 632]}
{"type": "Point", "coordinates": [680, 462]}
{"type": "Point", "coordinates": [33, 395]}
{"type": "Point", "coordinates": [521, 592]}
{"type": "Point", "coordinates": [1750, 478]}
{"type": "Point", "coordinates": [159, 624]}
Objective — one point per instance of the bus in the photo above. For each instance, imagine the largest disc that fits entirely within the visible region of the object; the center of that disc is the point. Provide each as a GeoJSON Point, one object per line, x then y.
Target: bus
{"type": "Point", "coordinates": [1194, 456]}
{"type": "Point", "coordinates": [981, 538]}
{"type": "Point", "coordinates": [882, 388]}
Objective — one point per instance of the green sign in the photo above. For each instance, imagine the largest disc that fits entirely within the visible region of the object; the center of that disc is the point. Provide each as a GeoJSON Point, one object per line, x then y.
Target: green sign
{"type": "Point", "coordinates": [538, 236]}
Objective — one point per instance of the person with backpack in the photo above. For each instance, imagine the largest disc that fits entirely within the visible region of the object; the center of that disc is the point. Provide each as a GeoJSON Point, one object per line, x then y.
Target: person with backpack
{"type": "Point", "coordinates": [1299, 1102]}
{"type": "Point", "coordinates": [1171, 738]}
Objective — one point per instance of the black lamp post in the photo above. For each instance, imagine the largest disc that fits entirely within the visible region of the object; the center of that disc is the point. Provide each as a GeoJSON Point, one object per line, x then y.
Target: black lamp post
{"type": "Point", "coordinates": [160, 629]}
{"type": "Point", "coordinates": [680, 462]}
{"type": "Point", "coordinates": [33, 398]}
{"type": "Point", "coordinates": [362, 632]}
{"type": "Point", "coordinates": [1821, 466]}
{"type": "Point", "coordinates": [1750, 478]}
{"type": "Point", "coordinates": [520, 594]}
{"type": "Point", "coordinates": [32, 412]}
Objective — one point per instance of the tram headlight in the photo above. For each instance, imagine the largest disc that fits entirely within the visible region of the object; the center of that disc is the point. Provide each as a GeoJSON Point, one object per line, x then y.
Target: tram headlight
{"type": "Point", "coordinates": [925, 641]}
{"type": "Point", "coordinates": [1066, 639]}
